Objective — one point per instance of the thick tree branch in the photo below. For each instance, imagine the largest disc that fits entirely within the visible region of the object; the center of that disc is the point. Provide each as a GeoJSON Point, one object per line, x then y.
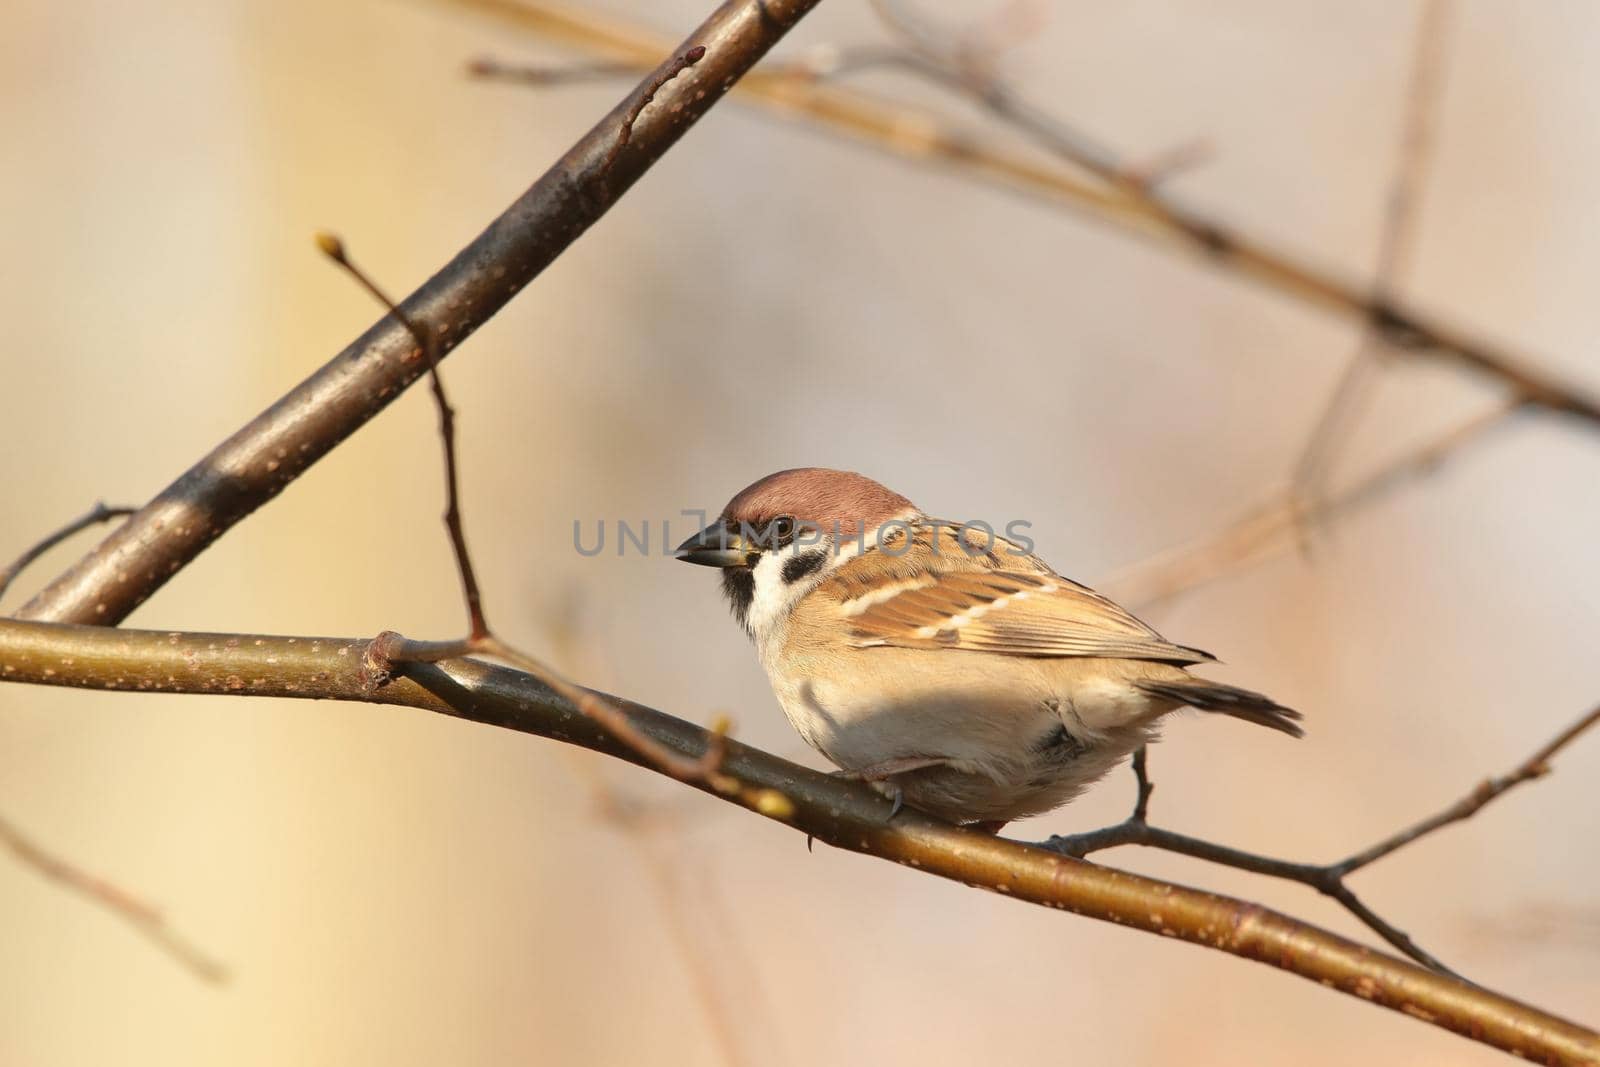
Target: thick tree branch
{"type": "Point", "coordinates": [255, 464]}
{"type": "Point", "coordinates": [1110, 193]}
{"type": "Point", "coordinates": [841, 813]}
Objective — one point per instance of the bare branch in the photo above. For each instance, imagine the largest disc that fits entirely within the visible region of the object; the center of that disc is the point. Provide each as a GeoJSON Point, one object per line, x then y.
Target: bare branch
{"type": "Point", "coordinates": [1114, 194]}
{"type": "Point", "coordinates": [261, 459]}
{"type": "Point", "coordinates": [954, 65]}
{"type": "Point", "coordinates": [1327, 878]}
{"type": "Point", "coordinates": [1395, 243]}
{"type": "Point", "coordinates": [387, 654]}
{"type": "Point", "coordinates": [729, 990]}
{"type": "Point", "coordinates": [1535, 766]}
{"type": "Point", "coordinates": [119, 902]}
{"type": "Point", "coordinates": [492, 69]}
{"type": "Point", "coordinates": [1271, 527]}
{"type": "Point", "coordinates": [1137, 831]}
{"type": "Point", "coordinates": [842, 813]}
{"type": "Point", "coordinates": [477, 627]}
{"type": "Point", "coordinates": [93, 517]}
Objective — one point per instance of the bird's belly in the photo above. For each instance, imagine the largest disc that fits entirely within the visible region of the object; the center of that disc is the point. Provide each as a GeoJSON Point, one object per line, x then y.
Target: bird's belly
{"type": "Point", "coordinates": [998, 724]}
{"type": "Point", "coordinates": [858, 724]}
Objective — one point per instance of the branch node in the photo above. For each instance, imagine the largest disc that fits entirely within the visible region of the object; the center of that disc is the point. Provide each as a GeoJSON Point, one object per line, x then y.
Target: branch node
{"type": "Point", "coordinates": [378, 659]}
{"type": "Point", "coordinates": [625, 133]}
{"type": "Point", "coordinates": [95, 515]}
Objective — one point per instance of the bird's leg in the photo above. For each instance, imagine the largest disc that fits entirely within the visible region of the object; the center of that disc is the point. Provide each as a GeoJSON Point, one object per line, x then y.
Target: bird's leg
{"type": "Point", "coordinates": [879, 772]}
{"type": "Point", "coordinates": [887, 769]}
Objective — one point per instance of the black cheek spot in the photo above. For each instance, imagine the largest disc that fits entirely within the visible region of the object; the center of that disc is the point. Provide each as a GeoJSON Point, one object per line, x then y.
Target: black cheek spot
{"type": "Point", "coordinates": [799, 566]}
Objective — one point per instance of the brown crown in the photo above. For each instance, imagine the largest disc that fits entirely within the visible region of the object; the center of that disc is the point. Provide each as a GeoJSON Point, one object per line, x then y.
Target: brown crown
{"type": "Point", "coordinates": [818, 495]}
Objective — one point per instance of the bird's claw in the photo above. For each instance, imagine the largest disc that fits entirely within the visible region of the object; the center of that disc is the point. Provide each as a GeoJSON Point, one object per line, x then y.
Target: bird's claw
{"type": "Point", "coordinates": [897, 796]}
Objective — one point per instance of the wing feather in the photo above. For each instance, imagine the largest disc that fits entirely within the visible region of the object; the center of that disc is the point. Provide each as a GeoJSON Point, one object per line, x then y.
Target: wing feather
{"type": "Point", "coordinates": [1001, 602]}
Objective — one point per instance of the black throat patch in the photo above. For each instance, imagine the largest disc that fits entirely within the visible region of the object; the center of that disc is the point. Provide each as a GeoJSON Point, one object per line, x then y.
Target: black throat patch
{"type": "Point", "coordinates": [739, 586]}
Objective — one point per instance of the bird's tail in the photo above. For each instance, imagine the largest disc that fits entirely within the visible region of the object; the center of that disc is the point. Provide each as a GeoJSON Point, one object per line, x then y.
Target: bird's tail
{"type": "Point", "coordinates": [1227, 700]}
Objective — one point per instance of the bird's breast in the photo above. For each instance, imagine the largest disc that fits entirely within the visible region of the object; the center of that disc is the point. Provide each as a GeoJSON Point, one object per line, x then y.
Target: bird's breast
{"type": "Point", "coordinates": [860, 707]}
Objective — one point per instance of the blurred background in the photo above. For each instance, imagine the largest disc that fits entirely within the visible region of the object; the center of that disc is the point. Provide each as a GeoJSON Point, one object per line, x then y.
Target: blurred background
{"type": "Point", "coordinates": [388, 886]}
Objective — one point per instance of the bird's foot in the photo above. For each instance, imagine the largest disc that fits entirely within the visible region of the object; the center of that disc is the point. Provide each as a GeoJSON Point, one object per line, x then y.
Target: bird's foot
{"type": "Point", "coordinates": [886, 770]}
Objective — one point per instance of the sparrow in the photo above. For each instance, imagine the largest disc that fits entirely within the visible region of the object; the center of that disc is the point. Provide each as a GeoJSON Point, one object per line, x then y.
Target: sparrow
{"type": "Point", "coordinates": [943, 663]}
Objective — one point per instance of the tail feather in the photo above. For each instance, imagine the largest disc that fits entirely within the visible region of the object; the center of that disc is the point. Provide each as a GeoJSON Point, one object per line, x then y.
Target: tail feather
{"type": "Point", "coordinates": [1228, 700]}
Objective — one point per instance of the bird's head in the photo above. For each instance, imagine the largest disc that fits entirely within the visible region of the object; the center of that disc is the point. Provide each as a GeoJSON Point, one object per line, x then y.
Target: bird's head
{"type": "Point", "coordinates": [778, 537]}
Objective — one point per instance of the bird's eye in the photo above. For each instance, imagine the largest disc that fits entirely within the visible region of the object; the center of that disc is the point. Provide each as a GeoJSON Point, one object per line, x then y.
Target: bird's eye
{"type": "Point", "coordinates": [781, 529]}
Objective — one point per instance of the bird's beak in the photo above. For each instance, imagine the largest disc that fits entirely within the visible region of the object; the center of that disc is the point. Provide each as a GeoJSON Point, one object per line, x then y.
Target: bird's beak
{"type": "Point", "coordinates": [718, 546]}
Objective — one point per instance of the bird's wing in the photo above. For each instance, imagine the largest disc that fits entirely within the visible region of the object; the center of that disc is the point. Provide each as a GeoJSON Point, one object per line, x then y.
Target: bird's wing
{"type": "Point", "coordinates": [939, 593]}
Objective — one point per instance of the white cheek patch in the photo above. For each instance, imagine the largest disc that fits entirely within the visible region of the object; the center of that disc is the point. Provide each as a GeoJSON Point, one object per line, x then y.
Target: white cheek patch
{"type": "Point", "coordinates": [767, 604]}
{"type": "Point", "coordinates": [774, 597]}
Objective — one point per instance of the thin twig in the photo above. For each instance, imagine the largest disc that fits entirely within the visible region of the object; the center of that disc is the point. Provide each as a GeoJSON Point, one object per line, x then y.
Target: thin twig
{"type": "Point", "coordinates": [477, 627]}
{"type": "Point", "coordinates": [571, 73]}
{"type": "Point", "coordinates": [1327, 878]}
{"type": "Point", "coordinates": [959, 71]}
{"type": "Point", "coordinates": [119, 902]}
{"type": "Point", "coordinates": [141, 916]}
{"type": "Point", "coordinates": [1395, 244]}
{"type": "Point", "coordinates": [1383, 318]}
{"type": "Point", "coordinates": [93, 517]}
{"type": "Point", "coordinates": [1132, 831]}
{"type": "Point", "coordinates": [1169, 574]}
{"type": "Point", "coordinates": [955, 66]}
{"type": "Point", "coordinates": [1535, 766]}
{"type": "Point", "coordinates": [709, 977]}
{"type": "Point", "coordinates": [727, 990]}
{"type": "Point", "coordinates": [389, 648]}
